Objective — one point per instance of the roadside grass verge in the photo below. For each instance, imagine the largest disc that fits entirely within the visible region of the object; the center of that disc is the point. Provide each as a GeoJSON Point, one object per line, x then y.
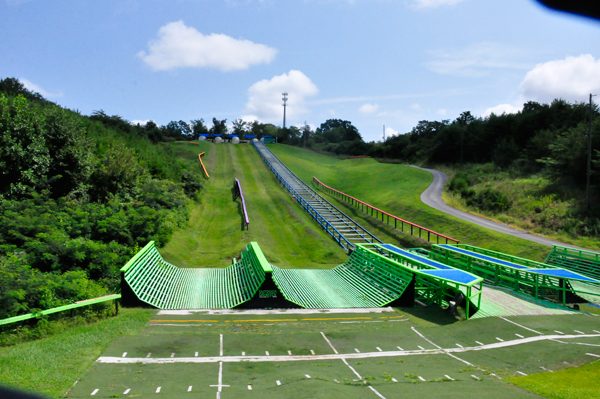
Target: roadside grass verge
{"type": "Point", "coordinates": [288, 236]}
{"type": "Point", "coordinates": [396, 189]}
{"type": "Point", "coordinates": [573, 383]}
{"type": "Point", "coordinates": [51, 365]}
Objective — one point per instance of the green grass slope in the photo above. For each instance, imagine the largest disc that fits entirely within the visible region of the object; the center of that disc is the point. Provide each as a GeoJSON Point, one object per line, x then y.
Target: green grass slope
{"type": "Point", "coordinates": [395, 189]}
{"type": "Point", "coordinates": [288, 236]}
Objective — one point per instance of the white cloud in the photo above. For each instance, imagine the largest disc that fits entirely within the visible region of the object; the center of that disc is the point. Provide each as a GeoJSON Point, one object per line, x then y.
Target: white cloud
{"type": "Point", "coordinates": [33, 87]}
{"type": "Point", "coordinates": [180, 46]}
{"type": "Point", "coordinates": [476, 60]}
{"type": "Point", "coordinates": [571, 79]}
{"type": "Point", "coordinates": [502, 109]}
{"type": "Point", "coordinates": [442, 112]}
{"type": "Point", "coordinates": [368, 109]}
{"type": "Point", "coordinates": [389, 132]}
{"type": "Point", "coordinates": [434, 3]}
{"type": "Point", "coordinates": [416, 107]}
{"type": "Point", "coordinates": [140, 122]}
{"type": "Point", "coordinates": [264, 97]}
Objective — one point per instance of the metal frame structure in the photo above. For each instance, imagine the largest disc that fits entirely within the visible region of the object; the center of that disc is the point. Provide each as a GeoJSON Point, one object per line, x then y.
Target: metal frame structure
{"type": "Point", "coordinates": [341, 227]}
{"type": "Point", "coordinates": [578, 260]}
{"type": "Point", "coordinates": [539, 280]}
{"type": "Point", "coordinates": [237, 192]}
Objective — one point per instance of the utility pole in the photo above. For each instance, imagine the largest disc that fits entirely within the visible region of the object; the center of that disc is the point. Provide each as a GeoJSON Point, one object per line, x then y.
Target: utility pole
{"type": "Point", "coordinates": [384, 133]}
{"type": "Point", "coordinates": [589, 160]}
{"type": "Point", "coordinates": [285, 98]}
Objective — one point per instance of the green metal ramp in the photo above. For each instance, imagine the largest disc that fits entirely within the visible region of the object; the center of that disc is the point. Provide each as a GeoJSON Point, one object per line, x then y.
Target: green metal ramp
{"type": "Point", "coordinates": [149, 279]}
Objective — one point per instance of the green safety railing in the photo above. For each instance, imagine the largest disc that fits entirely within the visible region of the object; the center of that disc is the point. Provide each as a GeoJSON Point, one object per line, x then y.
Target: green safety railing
{"type": "Point", "coordinates": [431, 289]}
{"type": "Point", "coordinates": [399, 223]}
{"type": "Point", "coordinates": [530, 282]}
{"type": "Point", "coordinates": [578, 260]}
{"type": "Point", "coordinates": [162, 285]}
{"type": "Point", "coordinates": [64, 308]}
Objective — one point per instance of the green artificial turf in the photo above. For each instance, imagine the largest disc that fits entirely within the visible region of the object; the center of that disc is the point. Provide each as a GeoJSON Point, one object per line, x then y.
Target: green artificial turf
{"type": "Point", "coordinates": [572, 383]}
{"type": "Point", "coordinates": [395, 189]}
{"type": "Point", "coordinates": [51, 365]}
{"type": "Point", "coordinates": [287, 235]}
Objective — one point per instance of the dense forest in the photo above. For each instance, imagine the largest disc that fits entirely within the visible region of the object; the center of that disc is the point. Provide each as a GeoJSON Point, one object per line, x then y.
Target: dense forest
{"type": "Point", "coordinates": [78, 196]}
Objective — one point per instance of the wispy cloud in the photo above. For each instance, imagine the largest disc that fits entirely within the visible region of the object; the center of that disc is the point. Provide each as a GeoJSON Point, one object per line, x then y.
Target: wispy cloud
{"type": "Point", "coordinates": [477, 60]}
{"type": "Point", "coordinates": [180, 46]}
{"type": "Point", "coordinates": [33, 87]}
{"type": "Point", "coordinates": [434, 3]}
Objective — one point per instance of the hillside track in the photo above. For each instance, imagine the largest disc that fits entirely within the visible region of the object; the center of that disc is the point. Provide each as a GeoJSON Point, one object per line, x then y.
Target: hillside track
{"type": "Point", "coordinates": [432, 196]}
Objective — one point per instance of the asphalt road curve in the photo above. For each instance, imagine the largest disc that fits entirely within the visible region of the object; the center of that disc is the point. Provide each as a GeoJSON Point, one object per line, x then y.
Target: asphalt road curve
{"type": "Point", "coordinates": [433, 197]}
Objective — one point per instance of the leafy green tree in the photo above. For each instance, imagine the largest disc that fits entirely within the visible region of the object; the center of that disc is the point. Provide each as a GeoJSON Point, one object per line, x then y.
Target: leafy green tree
{"type": "Point", "coordinates": [198, 128]}
{"type": "Point", "coordinates": [219, 126]}
{"type": "Point", "coordinates": [240, 127]}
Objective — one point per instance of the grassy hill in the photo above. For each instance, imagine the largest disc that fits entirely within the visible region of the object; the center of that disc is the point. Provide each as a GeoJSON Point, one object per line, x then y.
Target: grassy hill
{"type": "Point", "coordinates": [395, 189]}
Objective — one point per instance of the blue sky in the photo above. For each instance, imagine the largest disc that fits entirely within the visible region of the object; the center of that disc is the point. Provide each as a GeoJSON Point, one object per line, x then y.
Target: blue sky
{"type": "Point", "coordinates": [373, 62]}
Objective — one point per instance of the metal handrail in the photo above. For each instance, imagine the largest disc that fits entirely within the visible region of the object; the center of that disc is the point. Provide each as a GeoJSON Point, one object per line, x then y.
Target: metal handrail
{"type": "Point", "coordinates": [389, 215]}
{"type": "Point", "coordinates": [237, 192]}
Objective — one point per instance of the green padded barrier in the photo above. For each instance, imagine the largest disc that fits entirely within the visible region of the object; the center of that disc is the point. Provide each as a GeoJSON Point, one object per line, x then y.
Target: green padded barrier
{"type": "Point", "coordinates": [162, 285]}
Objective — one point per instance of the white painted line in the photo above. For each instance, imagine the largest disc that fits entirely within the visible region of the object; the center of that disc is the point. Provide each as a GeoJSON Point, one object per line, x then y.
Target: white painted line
{"type": "Point", "coordinates": [459, 345]}
{"type": "Point", "coordinates": [592, 354]}
{"type": "Point", "coordinates": [479, 343]}
{"type": "Point", "coordinates": [379, 349]}
{"type": "Point", "coordinates": [519, 335]}
{"type": "Point", "coordinates": [267, 353]}
{"type": "Point", "coordinates": [395, 380]}
{"type": "Point", "coordinates": [422, 379]}
{"type": "Point", "coordinates": [579, 332]}
{"type": "Point", "coordinates": [196, 354]}
{"type": "Point", "coordinates": [334, 350]}
{"type": "Point", "coordinates": [448, 377]}
{"type": "Point", "coordinates": [522, 373]}
{"type": "Point", "coordinates": [561, 333]}
{"type": "Point", "coordinates": [243, 353]}
{"type": "Point", "coordinates": [124, 354]}
{"type": "Point", "coordinates": [348, 322]}
{"type": "Point", "coordinates": [190, 388]}
{"type": "Point", "coordinates": [126, 391]}
{"type": "Point", "coordinates": [172, 354]}
{"type": "Point", "coordinates": [336, 381]}
{"type": "Point", "coordinates": [500, 339]}
{"type": "Point", "coordinates": [399, 348]}
{"type": "Point", "coordinates": [421, 348]}
{"type": "Point", "coordinates": [307, 376]}
{"type": "Point", "coordinates": [517, 324]}
{"type": "Point", "coordinates": [356, 350]}
{"type": "Point", "coordinates": [478, 379]}
{"type": "Point", "coordinates": [158, 390]}
{"type": "Point", "coordinates": [278, 382]}
{"type": "Point", "coordinates": [352, 368]}
{"type": "Point", "coordinates": [149, 353]}
{"type": "Point", "coordinates": [376, 393]}
{"type": "Point", "coordinates": [95, 391]}
{"type": "Point", "coordinates": [249, 387]}
{"type": "Point", "coordinates": [290, 353]}
{"type": "Point", "coordinates": [221, 346]}
{"type": "Point", "coordinates": [220, 385]}
{"type": "Point", "coordinates": [312, 352]}
{"type": "Point", "coordinates": [596, 331]}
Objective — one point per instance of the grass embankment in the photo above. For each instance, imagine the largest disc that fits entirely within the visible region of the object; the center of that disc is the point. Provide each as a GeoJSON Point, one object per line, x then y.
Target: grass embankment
{"type": "Point", "coordinates": [573, 383]}
{"type": "Point", "coordinates": [536, 204]}
{"type": "Point", "coordinates": [51, 365]}
{"type": "Point", "coordinates": [285, 232]}
{"type": "Point", "coordinates": [396, 189]}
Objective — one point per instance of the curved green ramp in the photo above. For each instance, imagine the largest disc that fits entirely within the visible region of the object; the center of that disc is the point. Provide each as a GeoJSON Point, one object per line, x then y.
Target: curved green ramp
{"type": "Point", "coordinates": [361, 282]}
{"type": "Point", "coordinates": [156, 282]}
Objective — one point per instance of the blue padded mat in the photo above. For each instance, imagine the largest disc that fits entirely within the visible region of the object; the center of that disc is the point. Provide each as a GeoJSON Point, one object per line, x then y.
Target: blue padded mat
{"type": "Point", "coordinates": [562, 273]}
{"type": "Point", "coordinates": [454, 275]}
{"type": "Point", "coordinates": [410, 255]}
{"type": "Point", "coordinates": [484, 257]}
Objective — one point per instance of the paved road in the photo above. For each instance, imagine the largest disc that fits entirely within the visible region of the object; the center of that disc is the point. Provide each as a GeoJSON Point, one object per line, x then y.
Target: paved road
{"type": "Point", "coordinates": [433, 197]}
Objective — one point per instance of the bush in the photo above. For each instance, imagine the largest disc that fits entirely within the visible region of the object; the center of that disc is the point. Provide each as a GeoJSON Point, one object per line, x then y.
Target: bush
{"type": "Point", "coordinates": [489, 199]}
